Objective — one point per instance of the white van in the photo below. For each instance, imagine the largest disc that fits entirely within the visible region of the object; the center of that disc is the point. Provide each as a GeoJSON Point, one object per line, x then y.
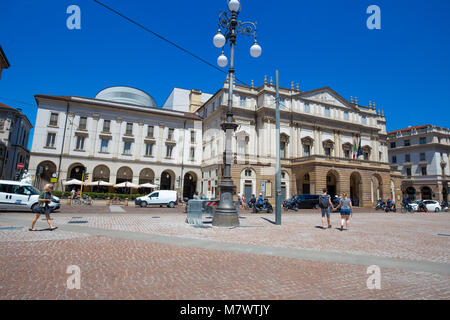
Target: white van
{"type": "Point", "coordinates": [162, 198]}
{"type": "Point", "coordinates": [18, 196]}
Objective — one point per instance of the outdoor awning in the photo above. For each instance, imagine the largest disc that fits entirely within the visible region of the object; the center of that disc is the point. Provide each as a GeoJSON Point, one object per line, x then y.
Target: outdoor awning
{"type": "Point", "coordinates": [147, 186]}
{"type": "Point", "coordinates": [73, 182]}
{"type": "Point", "coordinates": [127, 185]}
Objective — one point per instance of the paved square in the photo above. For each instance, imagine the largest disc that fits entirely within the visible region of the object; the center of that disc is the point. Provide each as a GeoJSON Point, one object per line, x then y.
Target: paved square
{"type": "Point", "coordinates": [154, 254]}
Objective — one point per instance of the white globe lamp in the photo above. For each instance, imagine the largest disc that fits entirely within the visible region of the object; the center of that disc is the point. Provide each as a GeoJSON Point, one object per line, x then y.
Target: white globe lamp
{"type": "Point", "coordinates": [234, 5]}
{"type": "Point", "coordinates": [219, 40]}
{"type": "Point", "coordinates": [222, 61]}
{"type": "Point", "coordinates": [255, 50]}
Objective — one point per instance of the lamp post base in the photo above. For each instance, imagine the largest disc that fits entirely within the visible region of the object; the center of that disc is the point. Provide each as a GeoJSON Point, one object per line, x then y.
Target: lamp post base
{"type": "Point", "coordinates": [226, 214]}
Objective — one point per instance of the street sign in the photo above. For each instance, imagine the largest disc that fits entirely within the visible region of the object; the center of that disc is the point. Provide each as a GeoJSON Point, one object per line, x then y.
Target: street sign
{"type": "Point", "coordinates": [20, 166]}
{"type": "Point", "coordinates": [55, 175]}
{"type": "Point", "coordinates": [54, 180]}
{"type": "Point", "coordinates": [263, 187]}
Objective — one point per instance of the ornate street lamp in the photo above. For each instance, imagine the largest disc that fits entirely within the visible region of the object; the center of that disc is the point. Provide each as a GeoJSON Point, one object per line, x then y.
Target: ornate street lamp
{"type": "Point", "coordinates": [226, 214]}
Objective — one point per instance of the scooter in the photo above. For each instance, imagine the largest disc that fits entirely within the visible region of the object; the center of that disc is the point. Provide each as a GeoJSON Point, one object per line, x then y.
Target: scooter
{"type": "Point", "coordinates": [265, 207]}
{"type": "Point", "coordinates": [380, 205]}
{"type": "Point", "coordinates": [392, 208]}
{"type": "Point", "coordinates": [290, 204]}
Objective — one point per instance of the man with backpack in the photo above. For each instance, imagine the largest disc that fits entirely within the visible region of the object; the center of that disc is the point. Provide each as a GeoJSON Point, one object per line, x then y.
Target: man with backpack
{"type": "Point", "coordinates": [326, 206]}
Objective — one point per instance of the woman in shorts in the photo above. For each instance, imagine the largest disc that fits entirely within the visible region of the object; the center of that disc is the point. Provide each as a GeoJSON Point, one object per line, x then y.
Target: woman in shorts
{"type": "Point", "coordinates": [346, 210]}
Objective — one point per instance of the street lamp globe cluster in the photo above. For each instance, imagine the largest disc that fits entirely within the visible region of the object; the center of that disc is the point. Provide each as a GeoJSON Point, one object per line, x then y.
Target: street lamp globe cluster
{"type": "Point", "coordinates": [226, 214]}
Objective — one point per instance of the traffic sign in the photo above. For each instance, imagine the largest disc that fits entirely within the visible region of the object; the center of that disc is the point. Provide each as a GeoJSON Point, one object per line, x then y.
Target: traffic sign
{"type": "Point", "coordinates": [20, 166]}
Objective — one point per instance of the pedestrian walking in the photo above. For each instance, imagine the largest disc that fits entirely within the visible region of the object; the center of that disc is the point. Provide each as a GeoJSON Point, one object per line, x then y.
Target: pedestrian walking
{"type": "Point", "coordinates": [239, 200]}
{"type": "Point", "coordinates": [325, 206]}
{"type": "Point", "coordinates": [243, 202]}
{"type": "Point", "coordinates": [44, 200]}
{"type": "Point", "coordinates": [196, 197]}
{"type": "Point", "coordinates": [346, 210]}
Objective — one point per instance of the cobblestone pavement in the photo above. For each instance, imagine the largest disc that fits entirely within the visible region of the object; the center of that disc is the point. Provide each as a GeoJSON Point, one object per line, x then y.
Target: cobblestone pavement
{"type": "Point", "coordinates": [34, 264]}
{"type": "Point", "coordinates": [413, 237]}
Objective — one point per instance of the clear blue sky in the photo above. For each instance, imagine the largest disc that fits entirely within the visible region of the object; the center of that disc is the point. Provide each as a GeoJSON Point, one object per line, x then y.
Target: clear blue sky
{"type": "Point", "coordinates": [404, 67]}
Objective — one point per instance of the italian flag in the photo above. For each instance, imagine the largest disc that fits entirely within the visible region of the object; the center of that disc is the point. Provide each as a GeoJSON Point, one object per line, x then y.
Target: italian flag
{"type": "Point", "coordinates": [355, 149]}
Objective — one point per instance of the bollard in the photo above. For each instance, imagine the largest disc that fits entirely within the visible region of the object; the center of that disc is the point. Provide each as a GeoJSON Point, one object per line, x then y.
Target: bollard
{"type": "Point", "coordinates": [108, 201]}
{"type": "Point", "coordinates": [69, 201]}
{"type": "Point", "coordinates": [126, 202]}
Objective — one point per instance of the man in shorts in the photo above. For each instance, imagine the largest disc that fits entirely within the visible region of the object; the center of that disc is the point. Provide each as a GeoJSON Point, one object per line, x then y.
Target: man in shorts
{"type": "Point", "coordinates": [325, 206]}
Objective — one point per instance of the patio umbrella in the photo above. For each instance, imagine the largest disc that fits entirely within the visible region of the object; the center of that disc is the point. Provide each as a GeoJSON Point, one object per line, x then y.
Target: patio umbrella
{"type": "Point", "coordinates": [147, 186]}
{"type": "Point", "coordinates": [127, 185]}
{"type": "Point", "coordinates": [99, 183]}
{"type": "Point", "coordinates": [73, 182]}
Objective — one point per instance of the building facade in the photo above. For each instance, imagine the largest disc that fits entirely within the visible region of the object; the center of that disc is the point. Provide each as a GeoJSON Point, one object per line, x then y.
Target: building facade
{"type": "Point", "coordinates": [118, 136]}
{"type": "Point", "coordinates": [319, 130]}
{"type": "Point", "coordinates": [14, 134]}
{"type": "Point", "coordinates": [421, 154]}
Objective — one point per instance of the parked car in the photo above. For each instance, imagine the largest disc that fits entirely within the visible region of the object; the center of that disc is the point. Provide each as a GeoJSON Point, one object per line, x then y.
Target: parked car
{"type": "Point", "coordinates": [15, 195]}
{"type": "Point", "coordinates": [307, 201]}
{"type": "Point", "coordinates": [432, 205]}
{"type": "Point", "coordinates": [162, 198]}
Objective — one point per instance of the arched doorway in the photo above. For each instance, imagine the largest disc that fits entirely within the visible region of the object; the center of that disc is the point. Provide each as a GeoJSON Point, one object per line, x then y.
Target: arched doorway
{"type": "Point", "coordinates": [189, 185]}
{"type": "Point", "coordinates": [303, 178]}
{"type": "Point", "coordinates": [76, 172]}
{"type": "Point", "coordinates": [427, 194]}
{"type": "Point", "coordinates": [355, 189]}
{"type": "Point", "coordinates": [248, 183]}
{"type": "Point", "coordinates": [101, 173]}
{"type": "Point", "coordinates": [124, 174]}
{"type": "Point", "coordinates": [44, 173]}
{"type": "Point", "coordinates": [146, 176]}
{"type": "Point", "coordinates": [332, 183]}
{"type": "Point", "coordinates": [167, 180]}
{"type": "Point", "coordinates": [377, 188]}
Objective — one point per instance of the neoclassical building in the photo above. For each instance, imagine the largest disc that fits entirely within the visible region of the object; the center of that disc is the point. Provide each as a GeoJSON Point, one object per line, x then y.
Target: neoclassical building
{"type": "Point", "coordinates": [319, 129]}
{"type": "Point", "coordinates": [120, 135]}
{"type": "Point", "coordinates": [422, 155]}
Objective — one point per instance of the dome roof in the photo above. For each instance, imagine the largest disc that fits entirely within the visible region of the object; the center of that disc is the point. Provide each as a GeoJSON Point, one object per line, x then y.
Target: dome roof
{"type": "Point", "coordinates": [128, 95]}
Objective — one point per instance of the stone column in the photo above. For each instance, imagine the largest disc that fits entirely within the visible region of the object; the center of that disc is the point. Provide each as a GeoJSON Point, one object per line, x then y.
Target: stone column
{"type": "Point", "coordinates": [116, 138]}
{"type": "Point", "coordinates": [139, 141]}
{"type": "Point", "coordinates": [161, 147]}
{"type": "Point", "coordinates": [94, 137]}
{"type": "Point", "coordinates": [68, 140]}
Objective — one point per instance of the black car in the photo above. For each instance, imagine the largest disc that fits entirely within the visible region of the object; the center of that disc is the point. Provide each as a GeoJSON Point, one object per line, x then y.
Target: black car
{"type": "Point", "coordinates": [307, 201]}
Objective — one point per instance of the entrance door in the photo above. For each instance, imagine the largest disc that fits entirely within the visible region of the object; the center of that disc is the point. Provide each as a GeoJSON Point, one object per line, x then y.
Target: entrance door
{"type": "Point", "coordinates": [283, 193]}
{"type": "Point", "coordinates": [306, 189]}
{"type": "Point", "coordinates": [248, 192]}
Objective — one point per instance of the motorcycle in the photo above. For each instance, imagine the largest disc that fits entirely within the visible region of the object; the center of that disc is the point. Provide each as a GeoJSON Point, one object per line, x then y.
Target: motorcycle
{"type": "Point", "coordinates": [290, 204]}
{"type": "Point", "coordinates": [444, 206]}
{"type": "Point", "coordinates": [266, 206]}
{"type": "Point", "coordinates": [387, 208]}
{"type": "Point", "coordinates": [380, 205]}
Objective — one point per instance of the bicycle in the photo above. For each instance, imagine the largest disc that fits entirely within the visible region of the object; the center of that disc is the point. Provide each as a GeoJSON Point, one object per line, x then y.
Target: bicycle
{"type": "Point", "coordinates": [83, 201]}
{"type": "Point", "coordinates": [406, 208]}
